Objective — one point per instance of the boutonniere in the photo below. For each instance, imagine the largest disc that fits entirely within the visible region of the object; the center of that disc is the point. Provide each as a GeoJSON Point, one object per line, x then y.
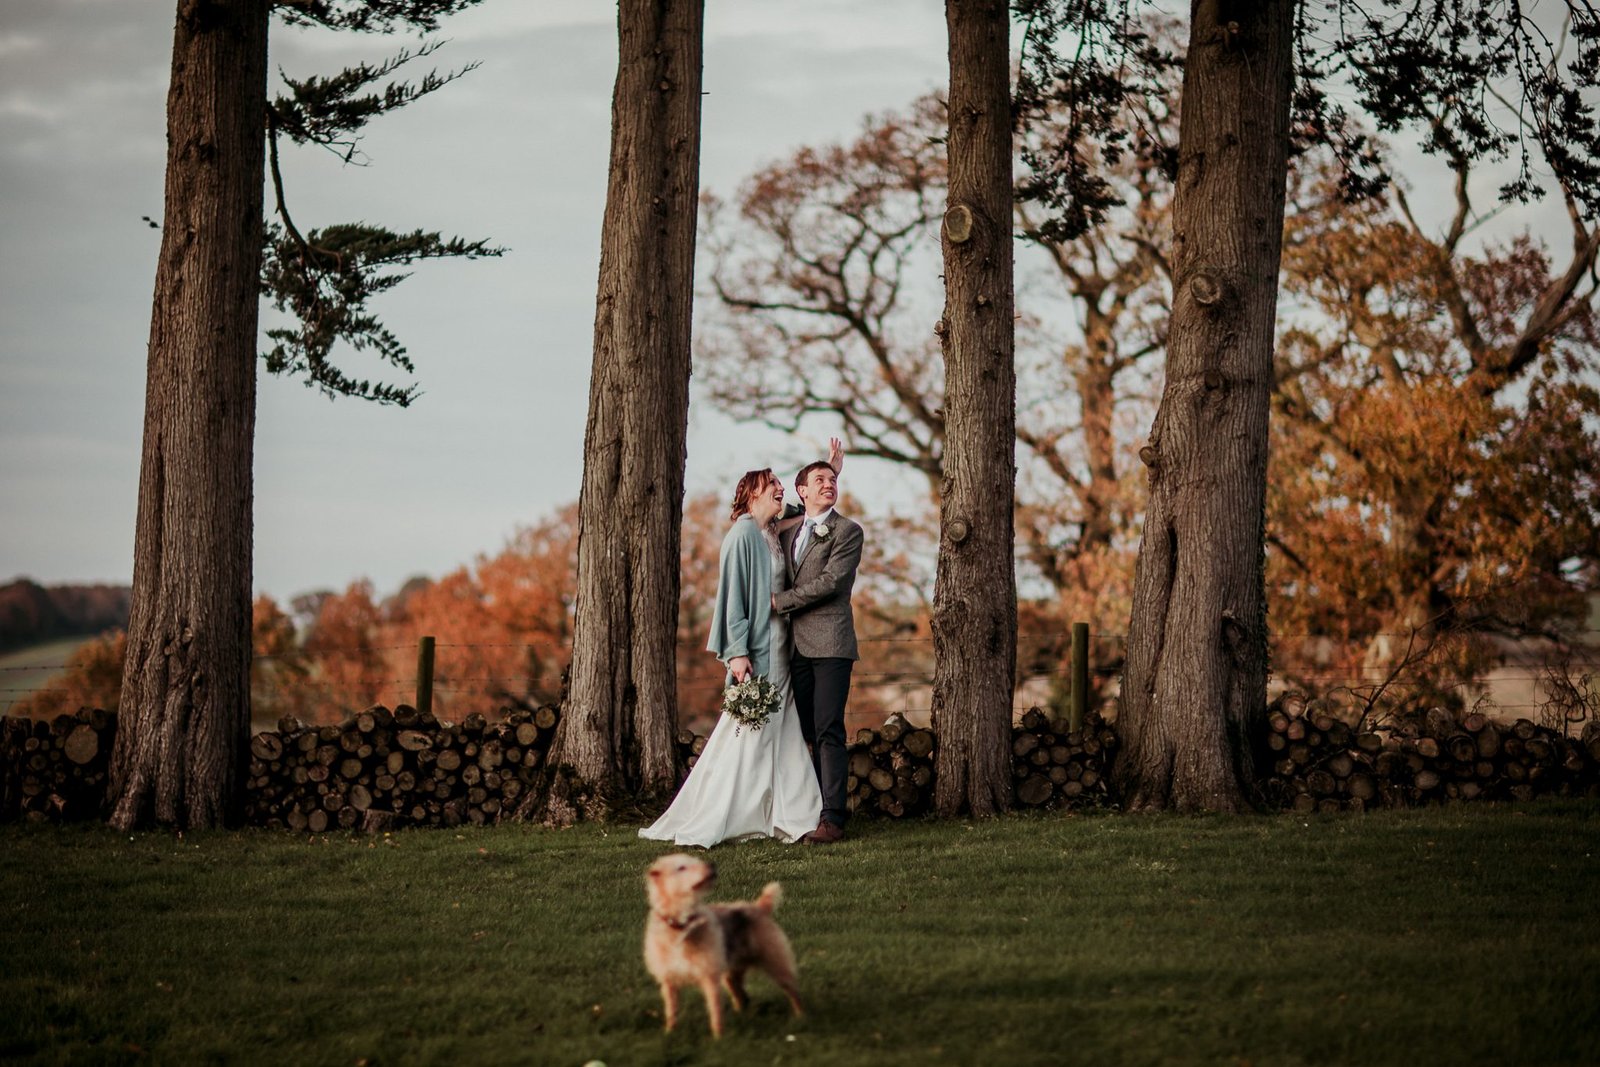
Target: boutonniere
{"type": "Point", "coordinates": [820, 531]}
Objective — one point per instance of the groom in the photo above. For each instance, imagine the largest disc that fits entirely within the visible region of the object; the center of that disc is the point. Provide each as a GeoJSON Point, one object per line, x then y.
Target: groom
{"type": "Point", "coordinates": [823, 553]}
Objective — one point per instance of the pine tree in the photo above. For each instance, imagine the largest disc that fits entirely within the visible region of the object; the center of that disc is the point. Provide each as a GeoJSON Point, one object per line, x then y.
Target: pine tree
{"type": "Point", "coordinates": [185, 705]}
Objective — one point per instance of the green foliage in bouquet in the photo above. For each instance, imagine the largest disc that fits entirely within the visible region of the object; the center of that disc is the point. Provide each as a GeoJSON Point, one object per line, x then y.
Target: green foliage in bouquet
{"type": "Point", "coordinates": [751, 702]}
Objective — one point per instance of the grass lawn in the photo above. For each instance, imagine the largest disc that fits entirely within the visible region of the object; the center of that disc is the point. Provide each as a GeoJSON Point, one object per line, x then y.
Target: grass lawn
{"type": "Point", "coordinates": [1457, 936]}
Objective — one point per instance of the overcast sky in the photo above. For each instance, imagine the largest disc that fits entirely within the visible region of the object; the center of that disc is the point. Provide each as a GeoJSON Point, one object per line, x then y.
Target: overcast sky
{"type": "Point", "coordinates": [515, 152]}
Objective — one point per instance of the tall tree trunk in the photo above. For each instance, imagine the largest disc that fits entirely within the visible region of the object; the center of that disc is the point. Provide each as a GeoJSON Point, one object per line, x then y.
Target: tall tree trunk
{"type": "Point", "coordinates": [186, 680]}
{"type": "Point", "coordinates": [1197, 648]}
{"type": "Point", "coordinates": [975, 594]}
{"type": "Point", "coordinates": [617, 730]}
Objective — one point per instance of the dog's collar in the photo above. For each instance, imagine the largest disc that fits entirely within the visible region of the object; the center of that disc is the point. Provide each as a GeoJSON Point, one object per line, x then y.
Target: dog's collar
{"type": "Point", "coordinates": [680, 925]}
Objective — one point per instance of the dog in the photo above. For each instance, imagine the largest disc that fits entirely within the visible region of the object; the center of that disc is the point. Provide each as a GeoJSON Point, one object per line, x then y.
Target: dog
{"type": "Point", "coordinates": [689, 942]}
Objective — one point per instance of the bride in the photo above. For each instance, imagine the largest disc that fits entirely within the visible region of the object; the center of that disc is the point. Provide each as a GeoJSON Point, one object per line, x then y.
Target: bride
{"type": "Point", "coordinates": [749, 782]}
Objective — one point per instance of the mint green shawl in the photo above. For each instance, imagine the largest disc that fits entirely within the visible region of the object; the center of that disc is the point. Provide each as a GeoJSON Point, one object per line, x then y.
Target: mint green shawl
{"type": "Point", "coordinates": [742, 622]}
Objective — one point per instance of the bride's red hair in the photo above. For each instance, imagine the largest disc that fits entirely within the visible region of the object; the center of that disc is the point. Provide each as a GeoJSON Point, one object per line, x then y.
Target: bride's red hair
{"type": "Point", "coordinates": [749, 486]}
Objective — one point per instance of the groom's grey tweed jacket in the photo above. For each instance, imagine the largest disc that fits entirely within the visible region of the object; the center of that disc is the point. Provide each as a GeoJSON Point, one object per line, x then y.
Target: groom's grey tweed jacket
{"type": "Point", "coordinates": [817, 602]}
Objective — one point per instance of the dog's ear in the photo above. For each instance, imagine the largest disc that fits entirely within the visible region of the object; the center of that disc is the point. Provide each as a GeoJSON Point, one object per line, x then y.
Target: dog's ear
{"type": "Point", "coordinates": [653, 888]}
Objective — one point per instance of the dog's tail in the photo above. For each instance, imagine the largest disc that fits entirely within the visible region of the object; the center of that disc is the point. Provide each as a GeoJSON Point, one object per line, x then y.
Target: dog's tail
{"type": "Point", "coordinates": [771, 896]}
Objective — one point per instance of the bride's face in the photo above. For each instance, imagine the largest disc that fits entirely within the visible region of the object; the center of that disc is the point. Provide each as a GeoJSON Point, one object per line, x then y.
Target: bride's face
{"type": "Point", "coordinates": [768, 503]}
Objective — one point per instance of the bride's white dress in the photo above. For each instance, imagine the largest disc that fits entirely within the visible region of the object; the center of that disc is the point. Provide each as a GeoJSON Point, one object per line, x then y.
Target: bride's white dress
{"type": "Point", "coordinates": [753, 783]}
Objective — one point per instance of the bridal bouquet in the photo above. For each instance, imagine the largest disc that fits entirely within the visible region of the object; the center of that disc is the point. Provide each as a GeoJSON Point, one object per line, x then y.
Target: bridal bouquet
{"type": "Point", "coordinates": [751, 702]}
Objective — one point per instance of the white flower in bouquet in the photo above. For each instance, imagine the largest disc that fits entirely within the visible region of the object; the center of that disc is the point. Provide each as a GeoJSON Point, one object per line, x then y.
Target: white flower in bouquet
{"type": "Point", "coordinates": [751, 702]}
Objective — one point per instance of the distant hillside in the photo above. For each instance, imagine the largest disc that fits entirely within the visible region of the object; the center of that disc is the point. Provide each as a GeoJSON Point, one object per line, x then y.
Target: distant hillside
{"type": "Point", "coordinates": [31, 613]}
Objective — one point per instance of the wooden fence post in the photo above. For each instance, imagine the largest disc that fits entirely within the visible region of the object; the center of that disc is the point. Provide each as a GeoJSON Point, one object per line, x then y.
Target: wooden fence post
{"type": "Point", "coordinates": [425, 676]}
{"type": "Point", "coordinates": [1080, 675]}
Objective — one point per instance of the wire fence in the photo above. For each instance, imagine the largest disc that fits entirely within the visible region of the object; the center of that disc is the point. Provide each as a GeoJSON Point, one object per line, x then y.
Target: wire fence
{"type": "Point", "coordinates": [895, 674]}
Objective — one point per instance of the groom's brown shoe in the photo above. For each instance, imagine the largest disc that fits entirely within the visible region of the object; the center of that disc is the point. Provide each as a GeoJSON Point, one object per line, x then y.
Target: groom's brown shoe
{"type": "Point", "coordinates": [826, 833]}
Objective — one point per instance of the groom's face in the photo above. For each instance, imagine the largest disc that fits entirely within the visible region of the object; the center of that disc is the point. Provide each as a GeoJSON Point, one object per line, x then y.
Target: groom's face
{"type": "Point", "coordinates": [820, 490]}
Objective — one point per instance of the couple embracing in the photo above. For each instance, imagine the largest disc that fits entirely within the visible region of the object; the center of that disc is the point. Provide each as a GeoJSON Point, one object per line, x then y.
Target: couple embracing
{"type": "Point", "coordinates": [782, 613]}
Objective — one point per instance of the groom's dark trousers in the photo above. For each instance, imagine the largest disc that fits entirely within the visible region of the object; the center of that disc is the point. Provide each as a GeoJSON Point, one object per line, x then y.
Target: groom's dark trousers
{"type": "Point", "coordinates": [821, 687]}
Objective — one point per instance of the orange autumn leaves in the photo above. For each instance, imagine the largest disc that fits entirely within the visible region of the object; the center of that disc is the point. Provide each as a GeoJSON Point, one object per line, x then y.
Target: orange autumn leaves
{"type": "Point", "coordinates": [502, 628]}
{"type": "Point", "coordinates": [1434, 446]}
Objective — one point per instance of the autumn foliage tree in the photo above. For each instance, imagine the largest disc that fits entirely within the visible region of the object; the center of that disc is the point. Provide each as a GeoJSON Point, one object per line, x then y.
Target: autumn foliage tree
{"type": "Point", "coordinates": [281, 672]}
{"type": "Point", "coordinates": [91, 678]}
{"type": "Point", "coordinates": [822, 265]}
{"type": "Point", "coordinates": [502, 627]}
{"type": "Point", "coordinates": [1435, 442]}
{"type": "Point", "coordinates": [1478, 80]}
{"type": "Point", "coordinates": [824, 272]}
{"type": "Point", "coordinates": [278, 664]}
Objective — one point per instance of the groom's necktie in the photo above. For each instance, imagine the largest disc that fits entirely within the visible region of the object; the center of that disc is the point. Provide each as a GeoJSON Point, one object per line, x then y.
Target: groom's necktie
{"type": "Point", "coordinates": [801, 541]}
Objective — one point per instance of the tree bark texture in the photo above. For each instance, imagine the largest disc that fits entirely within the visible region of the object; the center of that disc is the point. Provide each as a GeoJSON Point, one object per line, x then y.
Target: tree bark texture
{"type": "Point", "coordinates": [619, 721]}
{"type": "Point", "coordinates": [1197, 647]}
{"type": "Point", "coordinates": [975, 594]}
{"type": "Point", "coordinates": [186, 679]}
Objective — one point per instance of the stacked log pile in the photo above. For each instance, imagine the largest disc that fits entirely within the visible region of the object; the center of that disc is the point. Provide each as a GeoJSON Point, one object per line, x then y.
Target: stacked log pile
{"type": "Point", "coordinates": [690, 745]}
{"type": "Point", "coordinates": [1055, 766]}
{"type": "Point", "coordinates": [55, 769]}
{"type": "Point", "coordinates": [381, 769]}
{"type": "Point", "coordinates": [385, 768]}
{"type": "Point", "coordinates": [891, 769]}
{"type": "Point", "coordinates": [1318, 763]}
